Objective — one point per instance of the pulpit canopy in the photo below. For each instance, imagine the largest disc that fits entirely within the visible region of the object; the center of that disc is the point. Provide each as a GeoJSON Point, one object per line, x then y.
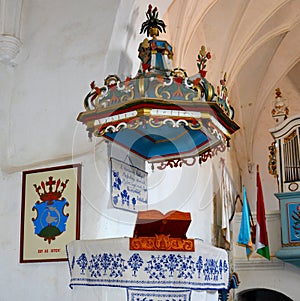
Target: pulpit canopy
{"type": "Point", "coordinates": [161, 114]}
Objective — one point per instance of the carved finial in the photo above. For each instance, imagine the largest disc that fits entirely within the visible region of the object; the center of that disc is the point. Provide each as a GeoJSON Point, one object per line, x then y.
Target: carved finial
{"type": "Point", "coordinates": [203, 56]}
{"type": "Point", "coordinates": [280, 110]}
{"type": "Point", "coordinates": [153, 25]}
{"type": "Point", "coordinates": [277, 92]}
{"type": "Point", "coordinates": [272, 164]}
{"type": "Point", "coordinates": [222, 97]}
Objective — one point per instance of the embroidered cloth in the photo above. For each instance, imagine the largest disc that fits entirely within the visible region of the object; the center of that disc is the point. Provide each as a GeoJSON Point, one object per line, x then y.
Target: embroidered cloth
{"type": "Point", "coordinates": [154, 295]}
{"type": "Point", "coordinates": [109, 262]}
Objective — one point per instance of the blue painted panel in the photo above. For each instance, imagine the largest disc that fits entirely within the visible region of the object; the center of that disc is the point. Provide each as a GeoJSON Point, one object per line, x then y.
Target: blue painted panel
{"type": "Point", "coordinates": [293, 210]}
{"type": "Point", "coordinates": [286, 199]}
{"type": "Point", "coordinates": [159, 62]}
{"type": "Point", "coordinates": [151, 142]}
{"type": "Point", "coordinates": [289, 209]}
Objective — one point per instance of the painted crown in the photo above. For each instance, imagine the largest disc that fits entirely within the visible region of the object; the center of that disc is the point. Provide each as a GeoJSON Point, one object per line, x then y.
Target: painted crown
{"type": "Point", "coordinates": [54, 190]}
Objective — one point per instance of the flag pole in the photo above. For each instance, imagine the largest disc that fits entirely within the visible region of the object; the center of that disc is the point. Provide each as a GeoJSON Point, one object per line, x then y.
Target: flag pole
{"type": "Point", "coordinates": [261, 242]}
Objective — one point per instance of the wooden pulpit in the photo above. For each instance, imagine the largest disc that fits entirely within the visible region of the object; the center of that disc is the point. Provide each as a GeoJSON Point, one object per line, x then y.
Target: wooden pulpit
{"type": "Point", "coordinates": [156, 231]}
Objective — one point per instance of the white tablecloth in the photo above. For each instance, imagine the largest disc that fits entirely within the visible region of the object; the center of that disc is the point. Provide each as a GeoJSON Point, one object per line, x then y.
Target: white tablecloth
{"type": "Point", "coordinates": [109, 262]}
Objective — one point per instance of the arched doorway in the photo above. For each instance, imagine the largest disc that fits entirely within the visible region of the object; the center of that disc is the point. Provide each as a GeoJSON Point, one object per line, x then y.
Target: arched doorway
{"type": "Point", "coordinates": [261, 294]}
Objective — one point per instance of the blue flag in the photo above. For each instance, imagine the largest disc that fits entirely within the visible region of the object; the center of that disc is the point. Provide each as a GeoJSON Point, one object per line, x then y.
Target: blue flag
{"type": "Point", "coordinates": [244, 238]}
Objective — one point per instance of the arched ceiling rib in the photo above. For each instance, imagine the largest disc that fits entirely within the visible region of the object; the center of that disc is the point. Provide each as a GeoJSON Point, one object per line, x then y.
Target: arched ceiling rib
{"type": "Point", "coordinates": [186, 18]}
{"type": "Point", "coordinates": [249, 81]}
{"type": "Point", "coordinates": [285, 58]}
{"type": "Point", "coordinates": [271, 28]}
{"type": "Point", "coordinates": [253, 19]}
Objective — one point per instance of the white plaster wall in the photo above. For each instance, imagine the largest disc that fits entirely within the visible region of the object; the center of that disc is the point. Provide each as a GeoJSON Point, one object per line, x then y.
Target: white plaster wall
{"type": "Point", "coordinates": [66, 45]}
{"type": "Point", "coordinates": [190, 188]}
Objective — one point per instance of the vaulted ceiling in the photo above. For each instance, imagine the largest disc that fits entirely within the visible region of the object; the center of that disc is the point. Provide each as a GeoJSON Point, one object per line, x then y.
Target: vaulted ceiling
{"type": "Point", "coordinates": [257, 43]}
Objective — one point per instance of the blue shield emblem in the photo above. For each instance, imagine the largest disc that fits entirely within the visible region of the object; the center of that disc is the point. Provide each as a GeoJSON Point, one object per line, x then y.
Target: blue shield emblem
{"type": "Point", "coordinates": [51, 219]}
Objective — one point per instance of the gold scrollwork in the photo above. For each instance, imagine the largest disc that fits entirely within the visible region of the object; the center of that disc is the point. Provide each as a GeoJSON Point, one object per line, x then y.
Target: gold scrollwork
{"type": "Point", "coordinates": [292, 244]}
{"type": "Point", "coordinates": [190, 94]}
{"type": "Point", "coordinates": [198, 94]}
{"type": "Point", "coordinates": [161, 242]}
{"type": "Point", "coordinates": [179, 72]}
{"type": "Point", "coordinates": [197, 126]}
{"type": "Point", "coordinates": [142, 86]}
{"type": "Point", "coordinates": [128, 96]}
{"type": "Point", "coordinates": [209, 92]}
{"type": "Point", "coordinates": [272, 164]}
{"type": "Point", "coordinates": [111, 79]}
{"type": "Point", "coordinates": [290, 136]}
{"type": "Point", "coordinates": [155, 124]}
{"type": "Point", "coordinates": [134, 125]}
{"type": "Point", "coordinates": [161, 95]}
{"type": "Point", "coordinates": [99, 132]}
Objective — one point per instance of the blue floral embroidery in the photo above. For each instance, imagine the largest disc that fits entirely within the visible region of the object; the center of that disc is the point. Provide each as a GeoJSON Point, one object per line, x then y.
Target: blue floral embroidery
{"type": "Point", "coordinates": [225, 266]}
{"type": "Point", "coordinates": [117, 181]}
{"type": "Point", "coordinates": [94, 266]}
{"type": "Point", "coordinates": [105, 261]}
{"type": "Point", "coordinates": [133, 201]}
{"type": "Point", "coordinates": [116, 199]}
{"type": "Point", "coordinates": [199, 265]}
{"type": "Point", "coordinates": [156, 267]}
{"type": "Point", "coordinates": [135, 262]}
{"type": "Point", "coordinates": [125, 197]}
{"type": "Point", "coordinates": [171, 264]}
{"type": "Point", "coordinates": [82, 262]}
{"type": "Point", "coordinates": [211, 269]}
{"type": "Point", "coordinates": [112, 263]}
{"type": "Point", "coordinates": [221, 268]}
{"type": "Point", "coordinates": [117, 266]}
{"type": "Point", "coordinates": [154, 295]}
{"type": "Point", "coordinates": [186, 267]}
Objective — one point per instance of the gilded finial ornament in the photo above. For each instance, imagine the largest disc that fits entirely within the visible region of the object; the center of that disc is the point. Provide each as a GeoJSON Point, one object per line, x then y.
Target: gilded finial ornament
{"type": "Point", "coordinates": [222, 97]}
{"type": "Point", "coordinates": [280, 109]}
{"type": "Point", "coordinates": [203, 57]}
{"type": "Point", "coordinates": [272, 164]}
{"type": "Point", "coordinates": [153, 25]}
{"type": "Point", "coordinates": [179, 72]}
{"type": "Point", "coordinates": [277, 92]}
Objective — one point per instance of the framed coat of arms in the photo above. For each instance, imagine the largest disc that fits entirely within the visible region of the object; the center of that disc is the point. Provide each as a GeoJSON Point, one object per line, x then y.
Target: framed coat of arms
{"type": "Point", "coordinates": [50, 214]}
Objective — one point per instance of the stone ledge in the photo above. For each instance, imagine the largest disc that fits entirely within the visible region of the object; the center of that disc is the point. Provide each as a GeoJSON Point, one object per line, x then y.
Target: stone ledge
{"type": "Point", "coordinates": [258, 264]}
{"type": "Point", "coordinates": [270, 216]}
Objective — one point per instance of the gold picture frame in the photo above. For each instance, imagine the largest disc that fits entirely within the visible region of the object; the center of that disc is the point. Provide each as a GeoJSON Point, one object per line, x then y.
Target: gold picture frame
{"type": "Point", "coordinates": [50, 213]}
